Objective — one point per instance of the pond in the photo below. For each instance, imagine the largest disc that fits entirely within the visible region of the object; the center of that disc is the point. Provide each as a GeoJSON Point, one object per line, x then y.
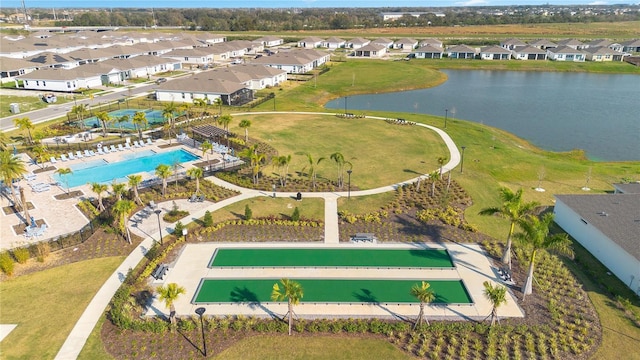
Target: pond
{"type": "Point", "coordinates": [555, 111]}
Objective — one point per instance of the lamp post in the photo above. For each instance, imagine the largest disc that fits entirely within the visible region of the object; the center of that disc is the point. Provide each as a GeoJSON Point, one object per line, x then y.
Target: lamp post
{"type": "Point", "coordinates": [446, 114]}
{"type": "Point", "coordinates": [200, 311]}
{"type": "Point", "coordinates": [349, 184]}
{"type": "Point", "coordinates": [274, 102]}
{"type": "Point", "coordinates": [159, 226]}
{"type": "Point", "coordinates": [274, 190]}
{"type": "Point", "coordinates": [462, 159]}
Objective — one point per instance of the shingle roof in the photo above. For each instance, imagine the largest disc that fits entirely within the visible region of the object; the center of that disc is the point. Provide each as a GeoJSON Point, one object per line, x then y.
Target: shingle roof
{"type": "Point", "coordinates": [494, 50]}
{"type": "Point", "coordinates": [617, 216]}
{"type": "Point", "coordinates": [461, 49]}
{"type": "Point", "coordinates": [429, 49]}
{"type": "Point", "coordinates": [528, 50]}
{"type": "Point", "coordinates": [628, 188]}
{"type": "Point", "coordinates": [564, 50]}
{"type": "Point", "coordinates": [202, 83]}
{"type": "Point", "coordinates": [11, 64]}
{"type": "Point", "coordinates": [601, 50]}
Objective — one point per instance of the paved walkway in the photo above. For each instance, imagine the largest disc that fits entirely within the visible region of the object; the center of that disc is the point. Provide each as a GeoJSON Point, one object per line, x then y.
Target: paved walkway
{"type": "Point", "coordinates": [83, 328]}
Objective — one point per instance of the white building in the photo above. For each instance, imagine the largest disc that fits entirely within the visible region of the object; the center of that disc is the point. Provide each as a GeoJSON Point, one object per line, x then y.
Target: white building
{"type": "Point", "coordinates": [608, 226]}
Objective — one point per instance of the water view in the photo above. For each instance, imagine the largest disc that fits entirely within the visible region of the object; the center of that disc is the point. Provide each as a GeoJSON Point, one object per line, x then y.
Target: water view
{"type": "Point", "coordinates": [555, 111]}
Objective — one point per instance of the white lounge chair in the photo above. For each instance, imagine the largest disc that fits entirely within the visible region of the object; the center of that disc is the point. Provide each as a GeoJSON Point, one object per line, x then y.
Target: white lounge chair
{"type": "Point", "coordinates": [149, 141]}
{"type": "Point", "coordinates": [63, 157]}
{"type": "Point", "coordinates": [120, 148]}
{"type": "Point", "coordinates": [71, 156]}
{"type": "Point", "coordinates": [92, 153]}
{"type": "Point", "coordinates": [135, 144]}
{"type": "Point", "coordinates": [127, 146]}
{"type": "Point", "coordinates": [113, 148]}
{"type": "Point", "coordinates": [100, 152]}
{"type": "Point", "coordinates": [106, 149]}
{"type": "Point", "coordinates": [87, 153]}
{"type": "Point", "coordinates": [53, 160]}
{"type": "Point", "coordinates": [40, 231]}
{"type": "Point", "coordinates": [79, 154]}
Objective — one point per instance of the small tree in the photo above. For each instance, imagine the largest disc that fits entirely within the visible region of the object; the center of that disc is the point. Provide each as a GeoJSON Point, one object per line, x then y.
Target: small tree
{"type": "Point", "coordinates": [248, 214]}
{"type": "Point", "coordinates": [292, 291]}
{"type": "Point", "coordinates": [177, 230]}
{"type": "Point", "coordinates": [208, 219]}
{"type": "Point", "coordinates": [497, 295]}
{"type": "Point", "coordinates": [425, 296]}
{"type": "Point", "coordinates": [296, 214]}
{"type": "Point", "coordinates": [169, 294]}
{"type": "Point", "coordinates": [64, 174]}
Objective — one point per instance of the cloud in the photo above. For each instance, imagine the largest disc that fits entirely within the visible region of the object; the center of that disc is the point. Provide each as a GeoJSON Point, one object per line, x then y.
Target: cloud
{"type": "Point", "coordinates": [472, 3]}
{"type": "Point", "coordinates": [599, 3]}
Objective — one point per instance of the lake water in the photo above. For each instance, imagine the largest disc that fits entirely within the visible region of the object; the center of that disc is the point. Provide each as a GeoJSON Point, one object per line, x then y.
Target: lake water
{"type": "Point", "coordinates": [599, 113]}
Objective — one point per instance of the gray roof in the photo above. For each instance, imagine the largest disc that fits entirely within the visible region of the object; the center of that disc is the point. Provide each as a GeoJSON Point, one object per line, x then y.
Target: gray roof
{"type": "Point", "coordinates": [461, 49]}
{"type": "Point", "coordinates": [567, 42]}
{"type": "Point", "coordinates": [495, 50]}
{"type": "Point", "coordinates": [617, 216]}
{"type": "Point", "coordinates": [429, 49]}
{"type": "Point", "coordinates": [628, 188]}
{"type": "Point", "coordinates": [528, 50]}
{"type": "Point", "coordinates": [543, 42]}
{"type": "Point", "coordinates": [201, 83]}
{"type": "Point", "coordinates": [565, 50]}
{"type": "Point", "coordinates": [11, 64]}
{"type": "Point", "coordinates": [601, 50]}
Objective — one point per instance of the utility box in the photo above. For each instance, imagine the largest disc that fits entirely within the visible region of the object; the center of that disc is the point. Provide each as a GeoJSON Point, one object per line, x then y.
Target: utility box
{"type": "Point", "coordinates": [14, 108]}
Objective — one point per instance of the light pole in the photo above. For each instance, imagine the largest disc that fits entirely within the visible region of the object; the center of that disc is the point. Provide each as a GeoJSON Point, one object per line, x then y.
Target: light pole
{"type": "Point", "coordinates": [159, 226]}
{"type": "Point", "coordinates": [274, 102]}
{"type": "Point", "coordinates": [274, 190]}
{"type": "Point", "coordinates": [349, 184]}
{"type": "Point", "coordinates": [446, 114]}
{"type": "Point", "coordinates": [462, 159]}
{"type": "Point", "coordinates": [200, 311]}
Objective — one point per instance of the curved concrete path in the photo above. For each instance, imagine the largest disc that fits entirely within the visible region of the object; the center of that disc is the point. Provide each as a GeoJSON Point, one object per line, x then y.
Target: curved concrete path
{"type": "Point", "coordinates": [80, 333]}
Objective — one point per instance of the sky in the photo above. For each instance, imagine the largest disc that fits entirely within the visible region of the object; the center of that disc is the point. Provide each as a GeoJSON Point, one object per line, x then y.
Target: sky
{"type": "Point", "coordinates": [61, 4]}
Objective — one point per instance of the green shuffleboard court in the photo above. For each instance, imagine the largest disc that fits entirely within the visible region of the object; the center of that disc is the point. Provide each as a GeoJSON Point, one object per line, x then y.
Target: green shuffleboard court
{"type": "Point", "coordinates": [330, 291]}
{"type": "Point", "coordinates": [327, 257]}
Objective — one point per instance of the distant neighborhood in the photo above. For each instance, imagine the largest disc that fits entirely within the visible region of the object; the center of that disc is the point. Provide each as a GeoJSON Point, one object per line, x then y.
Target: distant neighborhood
{"type": "Point", "coordinates": [233, 70]}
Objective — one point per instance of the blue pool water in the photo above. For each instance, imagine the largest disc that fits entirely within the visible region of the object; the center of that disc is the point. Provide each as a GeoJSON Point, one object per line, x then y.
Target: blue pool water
{"type": "Point", "coordinates": [153, 117]}
{"type": "Point", "coordinates": [101, 171]}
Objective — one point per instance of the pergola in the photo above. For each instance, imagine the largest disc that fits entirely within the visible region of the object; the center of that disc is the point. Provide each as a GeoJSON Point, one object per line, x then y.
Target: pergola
{"type": "Point", "coordinates": [209, 132]}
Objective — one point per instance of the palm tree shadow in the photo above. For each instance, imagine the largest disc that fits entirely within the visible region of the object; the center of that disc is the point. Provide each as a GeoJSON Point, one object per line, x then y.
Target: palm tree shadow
{"type": "Point", "coordinates": [191, 342]}
{"type": "Point", "coordinates": [368, 297]}
{"type": "Point", "coordinates": [244, 295]}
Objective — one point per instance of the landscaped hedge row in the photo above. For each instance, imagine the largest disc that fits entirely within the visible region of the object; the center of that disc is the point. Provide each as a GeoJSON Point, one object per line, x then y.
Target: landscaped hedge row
{"type": "Point", "coordinates": [261, 221]}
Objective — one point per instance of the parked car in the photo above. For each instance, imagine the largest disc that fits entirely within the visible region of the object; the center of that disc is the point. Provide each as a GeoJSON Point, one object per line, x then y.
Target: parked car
{"type": "Point", "coordinates": [161, 80]}
{"type": "Point", "coordinates": [49, 98]}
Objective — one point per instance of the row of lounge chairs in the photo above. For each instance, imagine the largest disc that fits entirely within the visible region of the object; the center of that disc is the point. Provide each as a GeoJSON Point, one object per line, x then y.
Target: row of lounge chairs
{"type": "Point", "coordinates": [505, 275]}
{"type": "Point", "coordinates": [35, 231]}
{"type": "Point", "coordinates": [196, 198]}
{"type": "Point", "coordinates": [101, 150]}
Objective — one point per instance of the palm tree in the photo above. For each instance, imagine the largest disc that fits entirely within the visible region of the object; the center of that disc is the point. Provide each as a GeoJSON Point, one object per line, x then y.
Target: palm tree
{"type": "Point", "coordinates": [202, 104]}
{"type": "Point", "coordinates": [134, 181]}
{"type": "Point", "coordinates": [292, 291]}
{"type": "Point", "coordinates": [99, 189]}
{"type": "Point", "coordinates": [105, 118]}
{"type": "Point", "coordinates": [206, 146]}
{"type": "Point", "coordinates": [433, 176]}
{"type": "Point", "coordinates": [312, 168]}
{"type": "Point", "coordinates": [497, 295]}
{"type": "Point", "coordinates": [186, 108]}
{"type": "Point", "coordinates": [195, 173]}
{"type": "Point", "coordinates": [79, 111]}
{"type": "Point", "coordinates": [535, 236]}
{"type": "Point", "coordinates": [168, 112]}
{"type": "Point", "coordinates": [11, 168]}
{"type": "Point", "coordinates": [225, 120]}
{"type": "Point", "coordinates": [24, 124]}
{"type": "Point", "coordinates": [4, 141]}
{"type": "Point", "coordinates": [425, 296]}
{"type": "Point", "coordinates": [245, 124]}
{"type": "Point", "coordinates": [169, 294]}
{"type": "Point", "coordinates": [256, 162]}
{"type": "Point", "coordinates": [140, 120]}
{"type": "Point", "coordinates": [163, 171]}
{"type": "Point", "coordinates": [64, 174]}
{"type": "Point", "coordinates": [282, 163]}
{"type": "Point", "coordinates": [120, 120]}
{"type": "Point", "coordinates": [118, 189]}
{"type": "Point", "coordinates": [41, 154]}
{"type": "Point", "coordinates": [122, 209]}
{"type": "Point", "coordinates": [25, 207]}
{"type": "Point", "coordinates": [218, 102]}
{"type": "Point", "coordinates": [441, 160]}
{"type": "Point", "coordinates": [512, 209]}
{"type": "Point", "coordinates": [338, 158]}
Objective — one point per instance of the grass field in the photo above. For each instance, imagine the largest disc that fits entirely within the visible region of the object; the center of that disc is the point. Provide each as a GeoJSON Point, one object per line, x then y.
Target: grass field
{"type": "Point", "coordinates": [310, 208]}
{"type": "Point", "coordinates": [46, 305]}
{"type": "Point", "coordinates": [324, 257]}
{"type": "Point", "coordinates": [331, 290]}
{"type": "Point", "coordinates": [25, 103]}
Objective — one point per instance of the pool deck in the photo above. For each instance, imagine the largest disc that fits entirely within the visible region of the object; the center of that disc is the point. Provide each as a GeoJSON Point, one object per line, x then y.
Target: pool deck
{"type": "Point", "coordinates": [472, 266]}
{"type": "Point", "coordinates": [62, 216]}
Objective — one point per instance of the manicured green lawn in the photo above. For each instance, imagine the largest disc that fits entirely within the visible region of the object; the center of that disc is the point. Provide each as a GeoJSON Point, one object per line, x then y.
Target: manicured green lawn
{"type": "Point", "coordinates": [311, 348]}
{"type": "Point", "coordinates": [518, 65]}
{"type": "Point", "coordinates": [25, 103]}
{"type": "Point", "coordinates": [324, 257]}
{"type": "Point", "coordinates": [47, 304]}
{"type": "Point", "coordinates": [310, 208]}
{"type": "Point", "coordinates": [331, 290]}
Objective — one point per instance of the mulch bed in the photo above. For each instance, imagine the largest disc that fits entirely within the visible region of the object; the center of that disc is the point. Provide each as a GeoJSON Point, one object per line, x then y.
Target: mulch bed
{"type": "Point", "coordinates": [21, 228]}
{"type": "Point", "coordinates": [70, 195]}
{"type": "Point", "coordinates": [9, 210]}
{"type": "Point", "coordinates": [204, 164]}
{"type": "Point", "coordinates": [48, 168]}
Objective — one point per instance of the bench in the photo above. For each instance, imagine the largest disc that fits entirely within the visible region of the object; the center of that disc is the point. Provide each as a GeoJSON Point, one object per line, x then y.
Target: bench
{"type": "Point", "coordinates": [365, 237]}
{"type": "Point", "coordinates": [160, 271]}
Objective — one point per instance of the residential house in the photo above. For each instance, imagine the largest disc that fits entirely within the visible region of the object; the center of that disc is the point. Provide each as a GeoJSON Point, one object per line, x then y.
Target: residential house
{"type": "Point", "coordinates": [253, 76]}
{"type": "Point", "coordinates": [602, 53]}
{"type": "Point", "coordinates": [511, 44]}
{"type": "Point", "coordinates": [494, 53]}
{"type": "Point", "coordinates": [333, 43]}
{"type": "Point", "coordinates": [65, 80]}
{"type": "Point", "coordinates": [461, 52]}
{"type": "Point", "coordinates": [204, 86]}
{"type": "Point", "coordinates": [433, 42]}
{"type": "Point", "coordinates": [543, 44]}
{"type": "Point", "coordinates": [528, 52]}
{"type": "Point", "coordinates": [371, 51]}
{"type": "Point", "coordinates": [52, 60]}
{"type": "Point", "coordinates": [388, 43]}
{"type": "Point", "coordinates": [198, 56]}
{"type": "Point", "coordinates": [631, 46]}
{"type": "Point", "coordinates": [565, 53]}
{"type": "Point", "coordinates": [607, 225]}
{"type": "Point", "coordinates": [357, 43]}
{"type": "Point", "coordinates": [405, 44]}
{"type": "Point", "coordinates": [573, 43]}
{"type": "Point", "coordinates": [428, 52]}
{"type": "Point", "coordinates": [11, 68]}
{"type": "Point", "coordinates": [270, 41]}
{"type": "Point", "coordinates": [311, 42]}
{"type": "Point", "coordinates": [295, 61]}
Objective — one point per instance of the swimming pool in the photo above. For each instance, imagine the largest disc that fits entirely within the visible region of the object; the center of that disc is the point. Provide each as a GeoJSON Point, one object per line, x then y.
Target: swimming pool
{"type": "Point", "coordinates": [101, 171]}
{"type": "Point", "coordinates": [153, 117]}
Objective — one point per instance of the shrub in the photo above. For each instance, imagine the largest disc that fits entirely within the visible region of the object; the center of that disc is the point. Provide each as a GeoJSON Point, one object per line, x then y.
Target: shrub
{"type": "Point", "coordinates": [296, 214]}
{"type": "Point", "coordinates": [21, 255]}
{"type": "Point", "coordinates": [248, 214]}
{"type": "Point", "coordinates": [6, 263]}
{"type": "Point", "coordinates": [208, 219]}
{"type": "Point", "coordinates": [42, 251]}
{"type": "Point", "coordinates": [177, 230]}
